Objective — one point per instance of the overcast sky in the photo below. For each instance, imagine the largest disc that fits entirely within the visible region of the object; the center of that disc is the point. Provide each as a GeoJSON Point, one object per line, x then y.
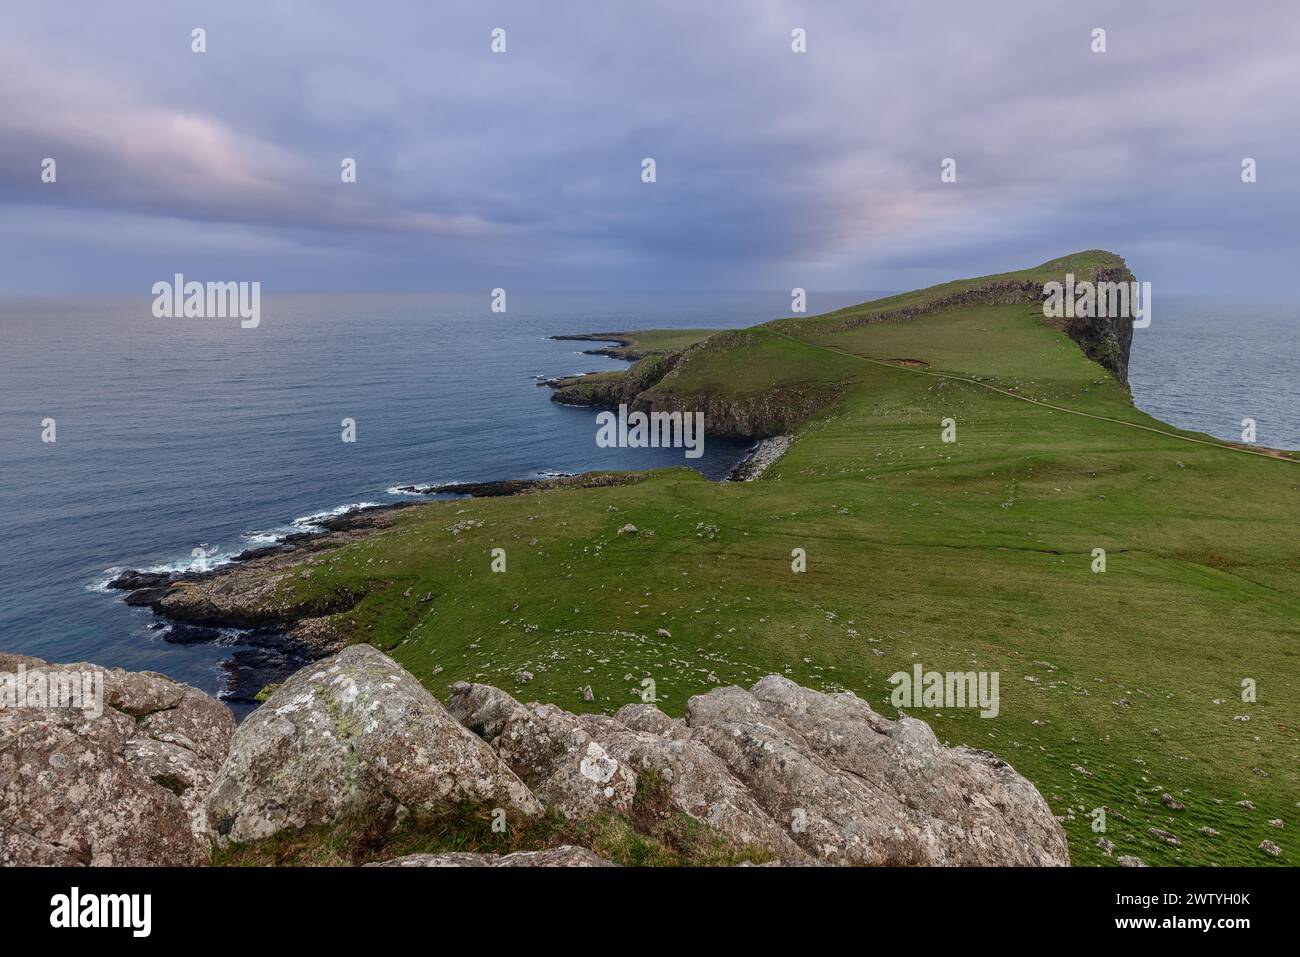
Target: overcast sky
{"type": "Point", "coordinates": [523, 169]}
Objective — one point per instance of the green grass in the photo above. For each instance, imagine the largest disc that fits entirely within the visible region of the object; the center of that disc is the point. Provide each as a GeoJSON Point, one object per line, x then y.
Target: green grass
{"type": "Point", "coordinates": [971, 555]}
{"type": "Point", "coordinates": [658, 341]}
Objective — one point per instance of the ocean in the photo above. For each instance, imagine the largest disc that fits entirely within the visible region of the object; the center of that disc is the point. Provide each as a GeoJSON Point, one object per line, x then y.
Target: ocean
{"type": "Point", "coordinates": [173, 435]}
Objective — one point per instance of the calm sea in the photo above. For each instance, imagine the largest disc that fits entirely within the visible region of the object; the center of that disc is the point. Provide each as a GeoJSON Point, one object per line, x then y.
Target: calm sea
{"type": "Point", "coordinates": [176, 434]}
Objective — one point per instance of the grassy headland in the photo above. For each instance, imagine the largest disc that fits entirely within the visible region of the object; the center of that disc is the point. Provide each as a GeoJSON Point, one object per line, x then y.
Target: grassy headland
{"type": "Point", "coordinates": [1116, 688]}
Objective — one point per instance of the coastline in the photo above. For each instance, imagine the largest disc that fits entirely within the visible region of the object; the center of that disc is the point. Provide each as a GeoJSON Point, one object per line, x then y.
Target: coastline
{"type": "Point", "coordinates": [196, 606]}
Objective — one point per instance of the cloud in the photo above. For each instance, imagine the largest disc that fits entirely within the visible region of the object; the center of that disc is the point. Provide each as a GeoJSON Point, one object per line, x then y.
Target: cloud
{"type": "Point", "coordinates": [523, 168]}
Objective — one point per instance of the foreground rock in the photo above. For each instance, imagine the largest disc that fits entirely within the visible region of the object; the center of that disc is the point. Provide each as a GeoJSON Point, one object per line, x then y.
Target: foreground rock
{"type": "Point", "coordinates": [792, 771]}
{"type": "Point", "coordinates": [126, 787]}
{"type": "Point", "coordinates": [800, 776]}
{"type": "Point", "coordinates": [352, 735]}
{"type": "Point", "coordinates": [586, 764]}
{"type": "Point", "coordinates": [549, 749]}
{"type": "Point", "coordinates": [564, 856]}
{"type": "Point", "coordinates": [856, 788]}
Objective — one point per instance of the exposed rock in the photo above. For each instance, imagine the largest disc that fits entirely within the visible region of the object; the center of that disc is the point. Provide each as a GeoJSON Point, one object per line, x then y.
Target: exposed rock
{"type": "Point", "coordinates": [790, 770]}
{"type": "Point", "coordinates": [353, 734]}
{"type": "Point", "coordinates": [540, 743]}
{"type": "Point", "coordinates": [760, 458]}
{"type": "Point", "coordinates": [1268, 847]}
{"type": "Point", "coordinates": [499, 488]}
{"type": "Point", "coordinates": [1167, 836]}
{"type": "Point", "coordinates": [646, 717]}
{"type": "Point", "coordinates": [318, 636]}
{"type": "Point", "coordinates": [1130, 861]}
{"type": "Point", "coordinates": [695, 782]}
{"type": "Point", "coordinates": [135, 580]}
{"type": "Point", "coordinates": [549, 749]}
{"type": "Point", "coordinates": [566, 855]}
{"type": "Point", "coordinates": [1169, 801]}
{"type": "Point", "coordinates": [801, 775]}
{"type": "Point", "coordinates": [855, 788]}
{"type": "Point", "coordinates": [124, 788]}
{"type": "Point", "coordinates": [180, 634]}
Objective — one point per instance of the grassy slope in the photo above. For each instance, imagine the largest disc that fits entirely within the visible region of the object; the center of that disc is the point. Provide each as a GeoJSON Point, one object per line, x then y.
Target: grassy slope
{"type": "Point", "coordinates": [973, 555]}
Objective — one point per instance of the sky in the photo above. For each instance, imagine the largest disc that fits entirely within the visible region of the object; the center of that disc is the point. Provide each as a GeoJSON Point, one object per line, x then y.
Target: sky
{"type": "Point", "coordinates": [774, 169]}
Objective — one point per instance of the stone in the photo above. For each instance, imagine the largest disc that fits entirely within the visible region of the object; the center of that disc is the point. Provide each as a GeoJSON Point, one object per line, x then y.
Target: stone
{"type": "Point", "coordinates": [566, 855]}
{"type": "Point", "coordinates": [126, 787]}
{"type": "Point", "coordinates": [852, 787]}
{"type": "Point", "coordinates": [548, 749]}
{"type": "Point", "coordinates": [354, 734]}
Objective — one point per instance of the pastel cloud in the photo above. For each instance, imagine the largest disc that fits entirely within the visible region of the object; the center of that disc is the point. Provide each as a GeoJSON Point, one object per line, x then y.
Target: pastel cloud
{"type": "Point", "coordinates": [819, 168]}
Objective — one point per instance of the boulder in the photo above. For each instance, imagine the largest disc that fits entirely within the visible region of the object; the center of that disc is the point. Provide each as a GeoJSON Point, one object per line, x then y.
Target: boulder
{"type": "Point", "coordinates": [852, 787]}
{"type": "Point", "coordinates": [564, 856]}
{"type": "Point", "coordinates": [353, 735]}
{"type": "Point", "coordinates": [126, 786]}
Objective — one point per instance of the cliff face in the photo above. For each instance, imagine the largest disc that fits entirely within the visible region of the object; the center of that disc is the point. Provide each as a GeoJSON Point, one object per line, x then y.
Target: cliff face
{"type": "Point", "coordinates": [664, 383]}
{"type": "Point", "coordinates": [775, 412]}
{"type": "Point", "coordinates": [653, 384]}
{"type": "Point", "coordinates": [1106, 341]}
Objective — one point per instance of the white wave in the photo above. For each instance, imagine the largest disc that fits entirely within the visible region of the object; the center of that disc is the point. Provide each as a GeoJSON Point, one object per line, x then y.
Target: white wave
{"type": "Point", "coordinates": [214, 557]}
{"type": "Point", "coordinates": [418, 489]}
{"type": "Point", "coordinates": [100, 585]}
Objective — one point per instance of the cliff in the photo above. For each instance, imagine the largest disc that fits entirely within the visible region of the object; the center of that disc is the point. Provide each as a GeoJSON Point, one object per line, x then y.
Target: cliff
{"type": "Point", "coordinates": [665, 381]}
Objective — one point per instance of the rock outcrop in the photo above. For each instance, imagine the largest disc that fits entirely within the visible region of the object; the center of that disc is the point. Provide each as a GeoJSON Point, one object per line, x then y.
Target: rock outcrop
{"type": "Point", "coordinates": [795, 772]}
{"type": "Point", "coordinates": [549, 749]}
{"type": "Point", "coordinates": [351, 735]}
{"type": "Point", "coordinates": [125, 786]}
{"type": "Point", "coordinates": [853, 787]}
{"type": "Point", "coordinates": [778, 772]}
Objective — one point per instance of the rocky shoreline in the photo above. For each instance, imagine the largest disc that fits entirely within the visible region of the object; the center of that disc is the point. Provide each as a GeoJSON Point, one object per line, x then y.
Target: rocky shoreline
{"type": "Point", "coordinates": [352, 751]}
{"type": "Point", "coordinates": [223, 605]}
{"type": "Point", "coordinates": [760, 458]}
{"type": "Point", "coordinates": [624, 348]}
{"type": "Point", "coordinates": [231, 604]}
{"type": "Point", "coordinates": [266, 648]}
